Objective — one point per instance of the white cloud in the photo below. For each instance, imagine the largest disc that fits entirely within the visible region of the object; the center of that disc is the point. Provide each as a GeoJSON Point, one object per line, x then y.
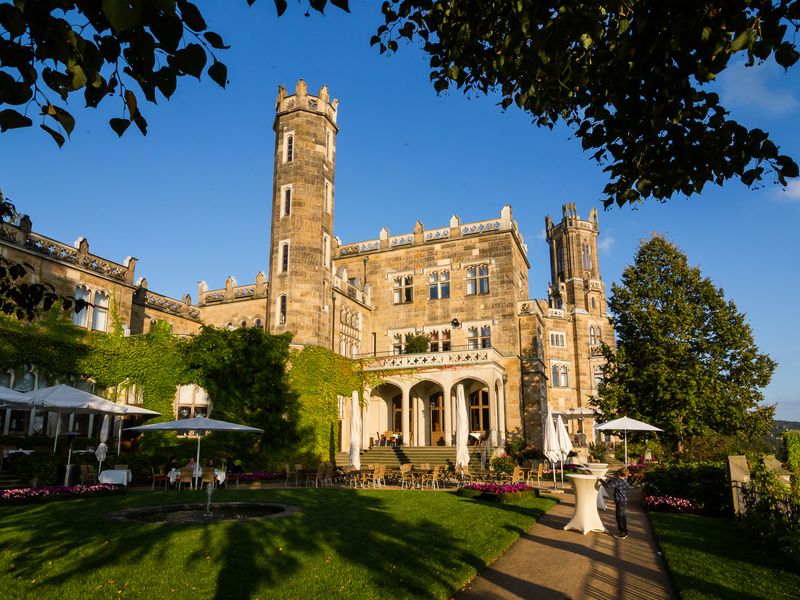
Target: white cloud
{"type": "Point", "coordinates": [542, 235]}
{"type": "Point", "coordinates": [757, 88]}
{"type": "Point", "coordinates": [790, 194]}
{"type": "Point", "coordinates": [604, 244]}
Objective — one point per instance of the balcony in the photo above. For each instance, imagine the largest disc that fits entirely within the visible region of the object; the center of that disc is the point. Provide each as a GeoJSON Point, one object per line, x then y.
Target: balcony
{"type": "Point", "coordinates": [432, 359]}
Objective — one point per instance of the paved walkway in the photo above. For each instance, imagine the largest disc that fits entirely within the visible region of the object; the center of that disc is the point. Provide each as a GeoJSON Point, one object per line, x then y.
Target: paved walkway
{"type": "Point", "coordinates": [550, 563]}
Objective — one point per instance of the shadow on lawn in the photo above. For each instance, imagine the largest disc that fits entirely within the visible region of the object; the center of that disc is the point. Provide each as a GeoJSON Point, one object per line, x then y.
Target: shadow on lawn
{"type": "Point", "coordinates": [416, 557]}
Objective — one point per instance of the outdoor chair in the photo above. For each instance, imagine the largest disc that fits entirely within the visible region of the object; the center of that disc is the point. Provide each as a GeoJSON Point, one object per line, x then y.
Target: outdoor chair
{"type": "Point", "coordinates": [298, 472]}
{"type": "Point", "coordinates": [208, 476]}
{"type": "Point", "coordinates": [187, 477]}
{"type": "Point", "coordinates": [160, 476]}
{"type": "Point", "coordinates": [463, 475]}
{"type": "Point", "coordinates": [406, 479]}
{"type": "Point", "coordinates": [88, 474]}
{"type": "Point", "coordinates": [316, 477]}
{"type": "Point", "coordinates": [537, 473]}
{"type": "Point", "coordinates": [377, 476]}
{"type": "Point", "coordinates": [432, 478]}
{"type": "Point", "coordinates": [516, 476]}
{"type": "Point", "coordinates": [288, 475]}
{"type": "Point", "coordinates": [328, 479]}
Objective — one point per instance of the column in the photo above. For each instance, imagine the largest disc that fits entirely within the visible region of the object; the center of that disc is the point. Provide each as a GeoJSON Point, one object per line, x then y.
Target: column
{"type": "Point", "coordinates": [7, 422]}
{"type": "Point", "coordinates": [493, 416]}
{"type": "Point", "coordinates": [71, 425]}
{"type": "Point", "coordinates": [31, 421]}
{"type": "Point", "coordinates": [501, 404]}
{"type": "Point", "coordinates": [404, 407]}
{"type": "Point", "coordinates": [91, 425]}
{"type": "Point", "coordinates": [448, 416]}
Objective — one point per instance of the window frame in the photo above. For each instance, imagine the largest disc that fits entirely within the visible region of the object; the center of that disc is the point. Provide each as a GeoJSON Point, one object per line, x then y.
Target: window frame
{"type": "Point", "coordinates": [477, 282]}
{"type": "Point", "coordinates": [403, 289]}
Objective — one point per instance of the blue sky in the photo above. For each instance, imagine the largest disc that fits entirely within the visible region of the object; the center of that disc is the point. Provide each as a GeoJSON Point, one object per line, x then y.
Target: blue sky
{"type": "Point", "coordinates": [191, 199]}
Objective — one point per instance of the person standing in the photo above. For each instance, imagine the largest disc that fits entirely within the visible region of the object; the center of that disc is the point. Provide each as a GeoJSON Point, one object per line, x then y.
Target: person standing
{"type": "Point", "coordinates": [621, 487]}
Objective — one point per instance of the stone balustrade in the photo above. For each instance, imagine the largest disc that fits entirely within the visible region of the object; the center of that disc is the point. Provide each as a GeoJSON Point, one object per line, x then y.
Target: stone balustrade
{"type": "Point", "coordinates": [431, 359]}
{"type": "Point", "coordinates": [555, 312]}
{"type": "Point", "coordinates": [170, 305]}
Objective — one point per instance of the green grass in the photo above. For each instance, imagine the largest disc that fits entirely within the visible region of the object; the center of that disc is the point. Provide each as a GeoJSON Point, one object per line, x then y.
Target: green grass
{"type": "Point", "coordinates": [344, 544]}
{"type": "Point", "coordinates": [716, 558]}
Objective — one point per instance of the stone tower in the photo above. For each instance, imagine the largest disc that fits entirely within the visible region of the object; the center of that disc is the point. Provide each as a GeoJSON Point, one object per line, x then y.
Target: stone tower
{"type": "Point", "coordinates": [575, 282]}
{"type": "Point", "coordinates": [302, 215]}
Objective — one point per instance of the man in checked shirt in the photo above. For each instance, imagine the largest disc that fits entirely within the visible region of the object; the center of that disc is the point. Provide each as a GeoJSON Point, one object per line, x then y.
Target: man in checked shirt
{"type": "Point", "coordinates": [621, 487]}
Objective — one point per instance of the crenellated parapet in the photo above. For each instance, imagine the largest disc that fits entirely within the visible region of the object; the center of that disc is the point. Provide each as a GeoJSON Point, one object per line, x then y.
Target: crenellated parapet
{"type": "Point", "coordinates": [302, 100]}
{"type": "Point", "coordinates": [455, 230]}
{"type": "Point", "coordinates": [76, 255]}
{"type": "Point", "coordinates": [232, 292]}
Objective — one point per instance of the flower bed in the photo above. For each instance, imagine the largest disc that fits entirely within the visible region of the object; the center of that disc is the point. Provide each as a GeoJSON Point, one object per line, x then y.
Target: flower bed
{"type": "Point", "coordinates": [669, 504]}
{"type": "Point", "coordinates": [259, 476]}
{"type": "Point", "coordinates": [57, 492]}
{"type": "Point", "coordinates": [506, 492]}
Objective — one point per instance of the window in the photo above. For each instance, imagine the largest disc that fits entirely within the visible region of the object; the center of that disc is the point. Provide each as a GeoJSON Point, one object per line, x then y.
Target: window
{"type": "Point", "coordinates": [326, 249]}
{"type": "Point", "coordinates": [397, 414]}
{"type": "Point", "coordinates": [328, 198]}
{"type": "Point", "coordinates": [558, 340]}
{"type": "Point", "coordinates": [479, 410]}
{"type": "Point", "coordinates": [403, 289]}
{"type": "Point", "coordinates": [284, 257]}
{"type": "Point", "coordinates": [81, 319]}
{"type": "Point", "coordinates": [259, 323]}
{"type": "Point", "coordinates": [329, 144]}
{"type": "Point", "coordinates": [286, 204]}
{"type": "Point", "coordinates": [586, 257]}
{"type": "Point", "coordinates": [439, 285]}
{"type": "Point", "coordinates": [288, 148]}
{"type": "Point", "coordinates": [594, 335]}
{"type": "Point", "coordinates": [100, 312]}
{"type": "Point", "coordinates": [397, 343]}
{"type": "Point", "coordinates": [349, 332]}
{"type": "Point", "coordinates": [479, 337]}
{"type": "Point", "coordinates": [558, 375]}
{"type": "Point", "coordinates": [282, 309]}
{"type": "Point", "coordinates": [593, 304]}
{"type": "Point", "coordinates": [477, 280]}
{"type": "Point", "coordinates": [440, 340]}
{"type": "Point", "coordinates": [559, 257]}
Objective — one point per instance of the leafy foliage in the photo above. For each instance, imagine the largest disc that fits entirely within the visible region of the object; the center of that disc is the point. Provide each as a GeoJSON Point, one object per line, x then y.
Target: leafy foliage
{"type": "Point", "coordinates": [627, 77]}
{"type": "Point", "coordinates": [244, 373]}
{"type": "Point", "coordinates": [791, 442]}
{"type": "Point", "coordinates": [685, 359]}
{"type": "Point", "coordinates": [417, 343]}
{"type": "Point", "coordinates": [21, 298]}
{"type": "Point", "coordinates": [704, 484]}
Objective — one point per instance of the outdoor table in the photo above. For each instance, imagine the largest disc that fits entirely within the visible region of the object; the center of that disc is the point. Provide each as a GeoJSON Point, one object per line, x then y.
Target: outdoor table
{"type": "Point", "coordinates": [17, 451]}
{"type": "Point", "coordinates": [175, 475]}
{"type": "Point", "coordinates": [116, 476]}
{"type": "Point", "coordinates": [585, 518]}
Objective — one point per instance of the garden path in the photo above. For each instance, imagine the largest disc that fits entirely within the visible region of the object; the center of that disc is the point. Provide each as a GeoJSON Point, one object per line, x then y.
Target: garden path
{"type": "Point", "coordinates": [550, 563]}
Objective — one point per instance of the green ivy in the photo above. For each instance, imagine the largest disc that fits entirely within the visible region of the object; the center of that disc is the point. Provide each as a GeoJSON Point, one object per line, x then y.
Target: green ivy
{"type": "Point", "coordinates": [791, 444]}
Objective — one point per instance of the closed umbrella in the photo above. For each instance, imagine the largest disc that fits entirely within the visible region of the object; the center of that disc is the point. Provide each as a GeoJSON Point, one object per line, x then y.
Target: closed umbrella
{"type": "Point", "coordinates": [551, 449]}
{"type": "Point", "coordinates": [626, 424]}
{"type": "Point", "coordinates": [355, 432]}
{"type": "Point", "coordinates": [564, 443]}
{"type": "Point", "coordinates": [102, 448]}
{"type": "Point", "coordinates": [462, 428]}
{"type": "Point", "coordinates": [200, 425]}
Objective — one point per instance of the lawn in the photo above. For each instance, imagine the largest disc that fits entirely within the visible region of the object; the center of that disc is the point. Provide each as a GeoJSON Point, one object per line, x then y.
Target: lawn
{"type": "Point", "coordinates": [344, 543]}
{"type": "Point", "coordinates": [715, 558]}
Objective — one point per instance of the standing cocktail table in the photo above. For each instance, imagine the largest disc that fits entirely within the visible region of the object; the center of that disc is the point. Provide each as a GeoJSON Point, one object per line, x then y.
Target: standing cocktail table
{"type": "Point", "coordinates": [585, 518]}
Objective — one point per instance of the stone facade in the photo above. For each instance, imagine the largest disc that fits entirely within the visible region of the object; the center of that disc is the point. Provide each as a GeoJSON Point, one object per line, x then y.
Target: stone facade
{"type": "Point", "coordinates": [465, 285]}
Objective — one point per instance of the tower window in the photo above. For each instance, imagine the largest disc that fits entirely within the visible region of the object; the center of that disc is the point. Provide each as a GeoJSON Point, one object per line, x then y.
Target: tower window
{"type": "Point", "coordinates": [282, 309]}
{"type": "Point", "coordinates": [328, 197]}
{"type": "Point", "coordinates": [288, 146]}
{"type": "Point", "coordinates": [558, 340]}
{"type": "Point", "coordinates": [403, 289]}
{"type": "Point", "coordinates": [326, 249]}
{"type": "Point", "coordinates": [285, 257]}
{"type": "Point", "coordinates": [329, 144]}
{"type": "Point", "coordinates": [100, 312]}
{"type": "Point", "coordinates": [559, 257]}
{"type": "Point", "coordinates": [286, 206]}
{"type": "Point", "coordinates": [594, 335]}
{"type": "Point", "coordinates": [477, 280]}
{"type": "Point", "coordinates": [586, 256]}
{"type": "Point", "coordinates": [439, 285]}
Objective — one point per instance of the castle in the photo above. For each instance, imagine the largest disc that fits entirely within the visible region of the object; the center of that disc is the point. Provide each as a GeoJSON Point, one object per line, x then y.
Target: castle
{"type": "Point", "coordinates": [465, 285]}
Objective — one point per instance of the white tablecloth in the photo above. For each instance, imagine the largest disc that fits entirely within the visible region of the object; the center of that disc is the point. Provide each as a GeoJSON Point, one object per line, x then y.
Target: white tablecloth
{"type": "Point", "coordinates": [585, 518]}
{"type": "Point", "coordinates": [17, 451]}
{"type": "Point", "coordinates": [116, 476]}
{"type": "Point", "coordinates": [174, 475]}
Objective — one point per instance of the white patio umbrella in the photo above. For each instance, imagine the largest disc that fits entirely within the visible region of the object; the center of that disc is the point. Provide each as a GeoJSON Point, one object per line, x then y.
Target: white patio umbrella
{"type": "Point", "coordinates": [102, 448]}
{"type": "Point", "coordinates": [551, 449]}
{"type": "Point", "coordinates": [626, 424]}
{"type": "Point", "coordinates": [462, 428]}
{"type": "Point", "coordinates": [200, 425]}
{"type": "Point", "coordinates": [355, 432]}
{"type": "Point", "coordinates": [130, 409]}
{"type": "Point", "coordinates": [17, 400]}
{"type": "Point", "coordinates": [564, 443]}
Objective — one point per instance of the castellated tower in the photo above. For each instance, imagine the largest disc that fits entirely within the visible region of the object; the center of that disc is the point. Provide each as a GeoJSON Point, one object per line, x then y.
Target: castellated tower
{"type": "Point", "coordinates": [575, 282]}
{"type": "Point", "coordinates": [302, 215]}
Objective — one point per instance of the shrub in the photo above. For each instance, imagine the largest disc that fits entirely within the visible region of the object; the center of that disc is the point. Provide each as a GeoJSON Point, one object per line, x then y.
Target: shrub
{"type": "Point", "coordinates": [791, 447]}
{"type": "Point", "coordinates": [703, 484]}
{"type": "Point", "coordinates": [39, 468]}
{"type": "Point", "coordinates": [503, 465]}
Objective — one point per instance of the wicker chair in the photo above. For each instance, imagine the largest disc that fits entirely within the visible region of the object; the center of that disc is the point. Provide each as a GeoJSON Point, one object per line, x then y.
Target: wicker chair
{"type": "Point", "coordinates": [187, 477]}
{"type": "Point", "coordinates": [432, 479]}
{"type": "Point", "coordinates": [88, 474]}
{"type": "Point", "coordinates": [160, 476]}
{"type": "Point", "coordinates": [208, 476]}
{"type": "Point", "coordinates": [406, 478]}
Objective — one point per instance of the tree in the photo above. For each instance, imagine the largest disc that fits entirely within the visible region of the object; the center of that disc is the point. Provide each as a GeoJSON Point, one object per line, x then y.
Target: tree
{"type": "Point", "coordinates": [685, 358]}
{"type": "Point", "coordinates": [244, 373]}
{"type": "Point", "coordinates": [417, 343]}
{"type": "Point", "coordinates": [25, 299]}
{"type": "Point", "coordinates": [627, 76]}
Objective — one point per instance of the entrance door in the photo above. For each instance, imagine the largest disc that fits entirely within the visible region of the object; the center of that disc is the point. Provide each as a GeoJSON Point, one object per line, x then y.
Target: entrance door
{"type": "Point", "coordinates": [437, 419]}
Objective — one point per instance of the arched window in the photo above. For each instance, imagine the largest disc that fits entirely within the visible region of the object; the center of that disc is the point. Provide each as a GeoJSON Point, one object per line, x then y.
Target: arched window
{"type": "Point", "coordinates": [259, 323]}
{"type": "Point", "coordinates": [592, 336]}
{"type": "Point", "coordinates": [100, 312]}
{"type": "Point", "coordinates": [289, 148]}
{"type": "Point", "coordinates": [243, 323]}
{"type": "Point", "coordinates": [586, 255]}
{"type": "Point", "coordinates": [564, 376]}
{"type": "Point", "coordinates": [282, 309]}
{"type": "Point", "coordinates": [554, 374]}
{"type": "Point", "coordinates": [286, 209]}
{"type": "Point", "coordinates": [81, 319]}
